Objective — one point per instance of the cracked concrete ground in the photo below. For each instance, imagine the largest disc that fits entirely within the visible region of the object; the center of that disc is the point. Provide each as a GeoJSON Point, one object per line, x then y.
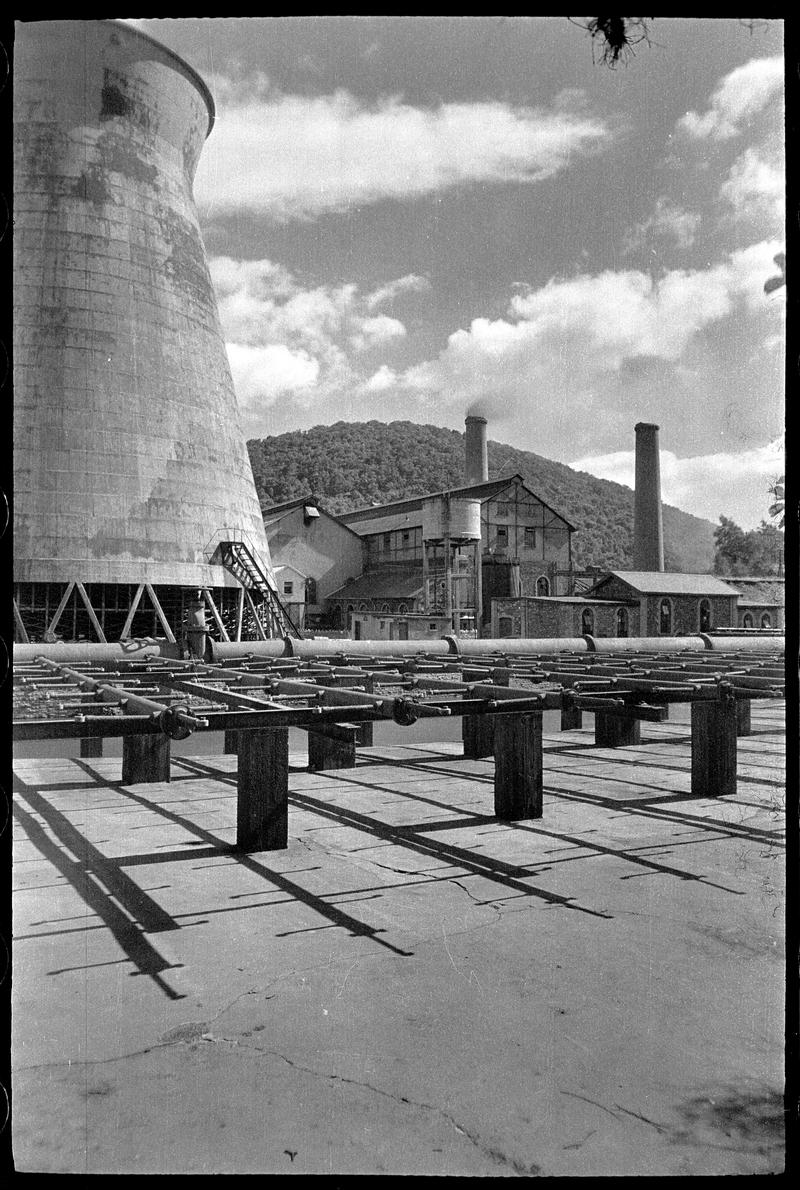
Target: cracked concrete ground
{"type": "Point", "coordinates": [413, 986]}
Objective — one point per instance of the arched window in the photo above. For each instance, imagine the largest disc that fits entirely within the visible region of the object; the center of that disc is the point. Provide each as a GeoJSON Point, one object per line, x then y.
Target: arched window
{"type": "Point", "coordinates": [505, 626]}
{"type": "Point", "coordinates": [403, 608]}
{"type": "Point", "coordinates": [704, 618]}
{"type": "Point", "coordinates": [665, 617]}
{"type": "Point", "coordinates": [543, 585]}
{"type": "Point", "coordinates": [384, 608]}
{"type": "Point", "coordinates": [622, 621]}
{"type": "Point", "coordinates": [349, 613]}
{"type": "Point", "coordinates": [747, 622]}
{"type": "Point", "coordinates": [766, 620]}
{"type": "Point", "coordinates": [587, 621]}
{"type": "Point", "coordinates": [362, 607]}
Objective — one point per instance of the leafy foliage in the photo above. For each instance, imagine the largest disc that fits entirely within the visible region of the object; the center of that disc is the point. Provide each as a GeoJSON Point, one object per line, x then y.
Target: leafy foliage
{"type": "Point", "coordinates": [355, 464]}
{"type": "Point", "coordinates": [759, 551]}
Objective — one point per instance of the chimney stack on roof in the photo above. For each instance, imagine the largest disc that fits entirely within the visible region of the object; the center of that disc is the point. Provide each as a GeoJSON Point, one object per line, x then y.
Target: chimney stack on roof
{"type": "Point", "coordinates": [648, 530]}
{"type": "Point", "coordinates": [476, 460]}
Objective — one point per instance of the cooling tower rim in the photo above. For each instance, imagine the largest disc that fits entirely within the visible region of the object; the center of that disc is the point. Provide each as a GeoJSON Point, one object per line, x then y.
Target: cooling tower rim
{"type": "Point", "coordinates": [183, 66]}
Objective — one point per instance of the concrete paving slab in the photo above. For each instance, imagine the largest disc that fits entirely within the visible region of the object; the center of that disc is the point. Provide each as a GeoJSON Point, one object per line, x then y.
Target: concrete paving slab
{"type": "Point", "coordinates": [411, 986]}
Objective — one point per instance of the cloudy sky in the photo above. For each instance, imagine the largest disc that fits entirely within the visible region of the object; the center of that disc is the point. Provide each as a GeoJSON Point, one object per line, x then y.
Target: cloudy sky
{"type": "Point", "coordinates": [409, 218]}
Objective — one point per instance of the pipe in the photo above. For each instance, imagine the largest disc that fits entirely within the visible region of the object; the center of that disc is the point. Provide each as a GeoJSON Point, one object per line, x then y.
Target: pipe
{"type": "Point", "coordinates": [464, 647]}
{"type": "Point", "coordinates": [645, 644]}
{"type": "Point", "coordinates": [125, 650]}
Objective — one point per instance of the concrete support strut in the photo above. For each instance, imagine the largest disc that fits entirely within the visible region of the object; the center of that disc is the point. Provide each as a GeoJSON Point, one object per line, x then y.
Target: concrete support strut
{"type": "Point", "coordinates": [262, 806]}
{"type": "Point", "coordinates": [714, 748]}
{"type": "Point", "coordinates": [145, 759]}
{"type": "Point", "coordinates": [518, 766]}
{"type": "Point", "coordinates": [743, 725]}
{"type": "Point", "coordinates": [616, 731]}
{"type": "Point", "coordinates": [333, 747]}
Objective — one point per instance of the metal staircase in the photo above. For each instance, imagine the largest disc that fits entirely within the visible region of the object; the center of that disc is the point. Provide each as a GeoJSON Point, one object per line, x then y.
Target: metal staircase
{"type": "Point", "coordinates": [236, 557]}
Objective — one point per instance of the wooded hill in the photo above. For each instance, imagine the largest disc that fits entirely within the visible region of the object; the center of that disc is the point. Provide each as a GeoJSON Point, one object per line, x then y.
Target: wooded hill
{"type": "Point", "coordinates": [354, 464]}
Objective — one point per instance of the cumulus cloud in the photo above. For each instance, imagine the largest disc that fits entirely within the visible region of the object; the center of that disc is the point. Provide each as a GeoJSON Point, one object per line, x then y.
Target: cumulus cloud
{"type": "Point", "coordinates": [596, 322]}
{"type": "Point", "coordinates": [740, 95]}
{"type": "Point", "coordinates": [712, 485]}
{"type": "Point", "coordinates": [284, 338]}
{"type": "Point", "coordinates": [755, 187]}
{"type": "Point", "coordinates": [411, 283]}
{"type": "Point", "coordinates": [293, 157]}
{"type": "Point", "coordinates": [668, 222]}
{"type": "Point", "coordinates": [265, 373]}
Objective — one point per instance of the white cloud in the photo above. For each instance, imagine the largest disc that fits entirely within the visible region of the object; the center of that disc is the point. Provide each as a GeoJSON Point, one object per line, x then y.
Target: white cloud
{"type": "Point", "coordinates": [410, 283]}
{"type": "Point", "coordinates": [262, 374]}
{"type": "Point", "coordinates": [377, 330]}
{"type": "Point", "coordinates": [594, 323]}
{"type": "Point", "coordinates": [668, 222]}
{"type": "Point", "coordinates": [283, 338]}
{"type": "Point", "coordinates": [740, 96]}
{"type": "Point", "coordinates": [292, 157]}
{"type": "Point", "coordinates": [755, 188]}
{"type": "Point", "coordinates": [722, 484]}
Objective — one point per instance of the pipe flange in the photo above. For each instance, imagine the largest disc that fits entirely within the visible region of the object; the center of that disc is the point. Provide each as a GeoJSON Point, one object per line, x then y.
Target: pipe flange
{"type": "Point", "coordinates": [170, 725]}
{"type": "Point", "coordinates": [405, 712]}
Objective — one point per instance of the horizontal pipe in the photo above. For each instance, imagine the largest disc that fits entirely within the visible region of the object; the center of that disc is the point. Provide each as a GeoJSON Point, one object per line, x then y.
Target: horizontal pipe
{"type": "Point", "coordinates": [127, 650]}
{"type": "Point", "coordinates": [465, 647]}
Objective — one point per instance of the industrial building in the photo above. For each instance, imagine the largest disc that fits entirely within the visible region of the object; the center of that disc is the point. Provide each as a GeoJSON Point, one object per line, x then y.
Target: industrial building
{"type": "Point", "coordinates": [133, 491]}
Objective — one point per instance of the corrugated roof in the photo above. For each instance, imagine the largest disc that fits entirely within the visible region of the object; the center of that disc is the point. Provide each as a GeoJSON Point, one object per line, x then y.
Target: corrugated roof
{"type": "Point", "coordinates": [382, 584]}
{"type": "Point", "coordinates": [662, 582]}
{"type": "Point", "coordinates": [480, 491]}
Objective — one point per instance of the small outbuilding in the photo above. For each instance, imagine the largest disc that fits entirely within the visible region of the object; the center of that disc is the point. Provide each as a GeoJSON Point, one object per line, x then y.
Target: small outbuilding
{"type": "Point", "coordinates": [671, 604]}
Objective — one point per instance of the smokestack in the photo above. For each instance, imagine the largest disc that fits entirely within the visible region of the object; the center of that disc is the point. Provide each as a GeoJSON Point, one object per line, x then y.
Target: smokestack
{"type": "Point", "coordinates": [648, 531]}
{"type": "Point", "coordinates": [476, 460]}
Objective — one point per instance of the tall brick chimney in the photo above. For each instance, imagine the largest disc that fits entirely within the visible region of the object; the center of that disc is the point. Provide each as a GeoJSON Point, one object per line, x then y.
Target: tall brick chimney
{"type": "Point", "coordinates": [648, 530]}
{"type": "Point", "coordinates": [476, 460]}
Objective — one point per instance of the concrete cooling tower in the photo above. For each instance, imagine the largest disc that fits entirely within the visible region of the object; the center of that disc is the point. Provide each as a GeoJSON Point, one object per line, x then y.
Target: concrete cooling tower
{"type": "Point", "coordinates": [131, 473]}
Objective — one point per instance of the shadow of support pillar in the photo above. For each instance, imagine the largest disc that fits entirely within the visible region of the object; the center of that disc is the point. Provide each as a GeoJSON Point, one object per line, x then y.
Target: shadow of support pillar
{"type": "Point", "coordinates": [518, 765]}
{"type": "Point", "coordinates": [262, 805]}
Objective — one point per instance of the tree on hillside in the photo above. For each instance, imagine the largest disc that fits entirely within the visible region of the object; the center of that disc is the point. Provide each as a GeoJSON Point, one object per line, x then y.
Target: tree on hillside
{"type": "Point", "coordinates": [759, 551]}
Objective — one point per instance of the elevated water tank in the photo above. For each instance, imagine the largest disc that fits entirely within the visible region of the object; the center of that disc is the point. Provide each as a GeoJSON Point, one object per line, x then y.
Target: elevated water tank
{"type": "Point", "coordinates": [458, 519]}
{"type": "Point", "coordinates": [129, 456]}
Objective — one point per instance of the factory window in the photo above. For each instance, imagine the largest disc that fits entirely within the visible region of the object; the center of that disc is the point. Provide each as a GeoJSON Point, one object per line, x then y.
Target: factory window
{"type": "Point", "coordinates": [766, 621]}
{"type": "Point", "coordinates": [665, 617]}
{"type": "Point", "coordinates": [311, 590]}
{"type": "Point", "coordinates": [505, 626]}
{"type": "Point", "coordinates": [747, 622]}
{"type": "Point", "coordinates": [530, 538]}
{"type": "Point", "coordinates": [704, 617]}
{"type": "Point", "coordinates": [406, 537]}
{"type": "Point", "coordinates": [542, 584]}
{"type": "Point", "coordinates": [385, 608]}
{"type": "Point", "coordinates": [504, 508]}
{"type": "Point", "coordinates": [362, 607]}
{"type": "Point", "coordinates": [288, 588]}
{"type": "Point", "coordinates": [432, 627]}
{"type": "Point", "coordinates": [587, 622]}
{"type": "Point", "coordinates": [622, 621]}
{"type": "Point", "coordinates": [502, 536]}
